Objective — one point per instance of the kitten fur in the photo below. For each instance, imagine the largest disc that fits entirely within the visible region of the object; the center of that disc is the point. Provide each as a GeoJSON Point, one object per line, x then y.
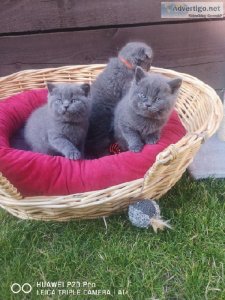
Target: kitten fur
{"type": "Point", "coordinates": [108, 89]}
{"type": "Point", "coordinates": [141, 114]}
{"type": "Point", "coordinates": [60, 126]}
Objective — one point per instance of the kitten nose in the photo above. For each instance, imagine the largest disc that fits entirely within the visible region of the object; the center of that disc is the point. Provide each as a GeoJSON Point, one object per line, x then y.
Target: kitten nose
{"type": "Point", "coordinates": [66, 104]}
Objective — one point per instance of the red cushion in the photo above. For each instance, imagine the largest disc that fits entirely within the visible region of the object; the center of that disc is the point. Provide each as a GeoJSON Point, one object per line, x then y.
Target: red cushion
{"type": "Point", "coordinates": [40, 174]}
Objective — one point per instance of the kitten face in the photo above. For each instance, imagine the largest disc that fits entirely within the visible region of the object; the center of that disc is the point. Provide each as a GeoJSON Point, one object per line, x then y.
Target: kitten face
{"type": "Point", "coordinates": [138, 54]}
{"type": "Point", "coordinates": [153, 94]}
{"type": "Point", "coordinates": [69, 102]}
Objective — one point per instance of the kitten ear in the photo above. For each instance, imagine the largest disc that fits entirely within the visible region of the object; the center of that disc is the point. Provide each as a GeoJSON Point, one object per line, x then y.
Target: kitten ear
{"type": "Point", "coordinates": [148, 53]}
{"type": "Point", "coordinates": [86, 88]}
{"type": "Point", "coordinates": [175, 84]}
{"type": "Point", "coordinates": [139, 74]}
{"type": "Point", "coordinates": [50, 86]}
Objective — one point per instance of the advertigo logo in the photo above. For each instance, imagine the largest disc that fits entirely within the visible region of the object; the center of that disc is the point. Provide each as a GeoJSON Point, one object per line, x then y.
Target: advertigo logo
{"type": "Point", "coordinates": [16, 288]}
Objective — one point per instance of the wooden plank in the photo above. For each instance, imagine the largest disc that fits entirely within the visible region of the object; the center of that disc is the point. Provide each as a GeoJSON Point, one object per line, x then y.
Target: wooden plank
{"type": "Point", "coordinates": [31, 15]}
{"type": "Point", "coordinates": [198, 49]}
{"type": "Point", "coordinates": [211, 73]}
{"type": "Point", "coordinates": [74, 14]}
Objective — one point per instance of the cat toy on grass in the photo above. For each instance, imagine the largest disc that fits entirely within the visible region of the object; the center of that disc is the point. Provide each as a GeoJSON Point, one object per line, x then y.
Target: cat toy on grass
{"type": "Point", "coordinates": [146, 213]}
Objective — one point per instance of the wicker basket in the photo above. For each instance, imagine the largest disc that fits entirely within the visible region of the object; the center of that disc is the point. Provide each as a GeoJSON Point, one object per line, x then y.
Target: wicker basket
{"type": "Point", "coordinates": [199, 108]}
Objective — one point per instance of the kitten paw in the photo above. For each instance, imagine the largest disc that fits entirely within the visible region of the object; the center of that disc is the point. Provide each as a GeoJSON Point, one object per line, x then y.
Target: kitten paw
{"type": "Point", "coordinates": [136, 148]}
{"type": "Point", "coordinates": [152, 140]}
{"type": "Point", "coordinates": [73, 155]}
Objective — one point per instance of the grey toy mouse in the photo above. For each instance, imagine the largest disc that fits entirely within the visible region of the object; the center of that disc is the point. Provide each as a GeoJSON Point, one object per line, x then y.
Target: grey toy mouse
{"type": "Point", "coordinates": [145, 213]}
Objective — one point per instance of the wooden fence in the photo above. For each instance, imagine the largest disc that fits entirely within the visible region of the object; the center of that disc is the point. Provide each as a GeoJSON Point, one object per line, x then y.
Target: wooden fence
{"type": "Point", "coordinates": [40, 34]}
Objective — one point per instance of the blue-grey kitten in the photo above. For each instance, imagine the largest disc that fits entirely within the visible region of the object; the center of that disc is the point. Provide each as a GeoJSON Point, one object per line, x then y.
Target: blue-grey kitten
{"type": "Point", "coordinates": [108, 89]}
{"type": "Point", "coordinates": [141, 114]}
{"type": "Point", "coordinates": [60, 126]}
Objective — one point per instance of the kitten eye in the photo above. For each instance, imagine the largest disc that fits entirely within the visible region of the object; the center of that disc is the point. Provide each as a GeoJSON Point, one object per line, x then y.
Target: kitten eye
{"type": "Point", "coordinates": [139, 61]}
{"type": "Point", "coordinates": [142, 96]}
{"type": "Point", "coordinates": [75, 100]}
{"type": "Point", "coordinates": [156, 99]}
{"type": "Point", "coordinates": [59, 100]}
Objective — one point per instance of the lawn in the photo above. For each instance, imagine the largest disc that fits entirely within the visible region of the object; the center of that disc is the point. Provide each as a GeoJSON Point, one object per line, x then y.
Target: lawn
{"type": "Point", "coordinates": [187, 262]}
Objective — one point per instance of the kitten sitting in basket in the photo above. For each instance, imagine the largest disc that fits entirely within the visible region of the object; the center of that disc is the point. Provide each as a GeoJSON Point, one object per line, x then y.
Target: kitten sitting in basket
{"type": "Point", "coordinates": [60, 126]}
{"type": "Point", "coordinates": [144, 110]}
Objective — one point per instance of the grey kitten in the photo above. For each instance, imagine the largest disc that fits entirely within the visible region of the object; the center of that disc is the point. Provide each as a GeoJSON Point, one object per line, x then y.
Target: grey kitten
{"type": "Point", "coordinates": [141, 114]}
{"type": "Point", "coordinates": [60, 126]}
{"type": "Point", "coordinates": [108, 89]}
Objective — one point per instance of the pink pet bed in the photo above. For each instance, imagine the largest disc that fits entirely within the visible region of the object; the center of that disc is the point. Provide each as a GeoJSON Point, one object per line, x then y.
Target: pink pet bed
{"type": "Point", "coordinates": [40, 174]}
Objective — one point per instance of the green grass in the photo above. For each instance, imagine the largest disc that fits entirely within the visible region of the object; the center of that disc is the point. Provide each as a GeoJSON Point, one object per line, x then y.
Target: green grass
{"type": "Point", "coordinates": [187, 262]}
